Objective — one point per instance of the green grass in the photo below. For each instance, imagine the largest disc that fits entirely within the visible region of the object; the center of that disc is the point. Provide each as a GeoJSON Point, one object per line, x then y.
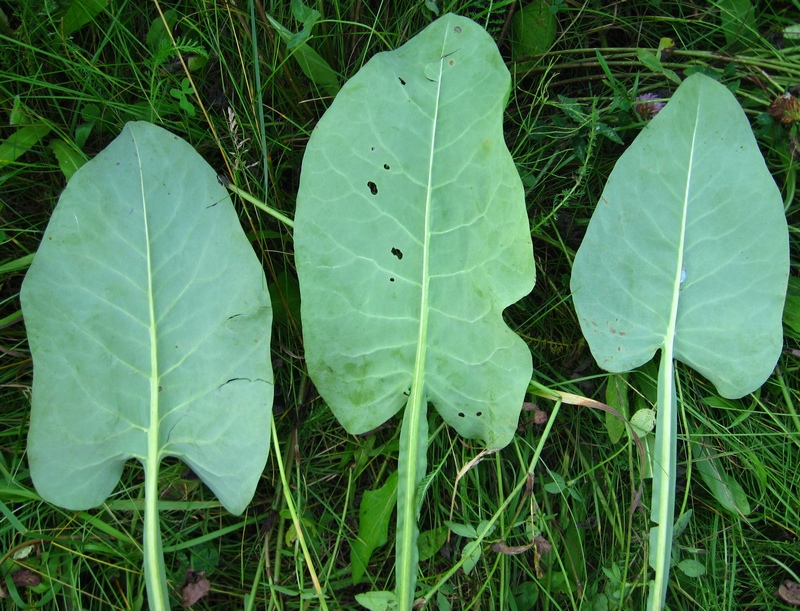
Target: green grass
{"type": "Point", "coordinates": [579, 504]}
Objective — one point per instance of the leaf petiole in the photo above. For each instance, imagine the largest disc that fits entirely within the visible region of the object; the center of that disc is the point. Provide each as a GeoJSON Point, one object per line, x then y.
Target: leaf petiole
{"type": "Point", "coordinates": [663, 501]}
{"type": "Point", "coordinates": [154, 575]}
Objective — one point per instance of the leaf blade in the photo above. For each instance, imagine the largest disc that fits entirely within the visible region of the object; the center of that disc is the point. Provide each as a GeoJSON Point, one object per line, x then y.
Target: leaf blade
{"type": "Point", "coordinates": [372, 191]}
{"type": "Point", "coordinates": [734, 347]}
{"type": "Point", "coordinates": [86, 301]}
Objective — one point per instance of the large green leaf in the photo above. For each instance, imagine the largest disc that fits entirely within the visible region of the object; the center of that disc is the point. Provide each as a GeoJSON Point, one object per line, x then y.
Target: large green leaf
{"type": "Point", "coordinates": [149, 322]}
{"type": "Point", "coordinates": [687, 253]}
{"type": "Point", "coordinates": [411, 238]}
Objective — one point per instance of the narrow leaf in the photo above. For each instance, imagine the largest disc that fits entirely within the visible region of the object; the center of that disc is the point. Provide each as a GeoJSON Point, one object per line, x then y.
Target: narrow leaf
{"type": "Point", "coordinates": [311, 63]}
{"type": "Point", "coordinates": [726, 489]}
{"type": "Point", "coordinates": [69, 159]}
{"type": "Point", "coordinates": [617, 397]}
{"type": "Point", "coordinates": [21, 141]}
{"type": "Point", "coordinates": [80, 13]}
{"type": "Point", "coordinates": [374, 515]}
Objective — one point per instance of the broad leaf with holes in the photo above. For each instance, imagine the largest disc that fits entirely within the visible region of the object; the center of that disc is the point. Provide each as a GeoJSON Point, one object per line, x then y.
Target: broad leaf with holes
{"type": "Point", "coordinates": [687, 253]}
{"type": "Point", "coordinates": [411, 238]}
{"type": "Point", "coordinates": [148, 321]}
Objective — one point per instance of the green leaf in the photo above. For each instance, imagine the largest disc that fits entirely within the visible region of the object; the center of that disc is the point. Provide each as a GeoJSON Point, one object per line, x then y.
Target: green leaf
{"type": "Point", "coordinates": [738, 19]}
{"type": "Point", "coordinates": [430, 542]}
{"type": "Point", "coordinates": [80, 13]}
{"type": "Point", "coordinates": [149, 324]}
{"type": "Point", "coordinates": [609, 132]}
{"type": "Point", "coordinates": [692, 568]}
{"type": "Point", "coordinates": [651, 61]}
{"type": "Point", "coordinates": [311, 63]}
{"type": "Point", "coordinates": [378, 601]}
{"type": "Point", "coordinates": [285, 293]}
{"type": "Point", "coordinates": [557, 486]}
{"type": "Point", "coordinates": [470, 555]}
{"type": "Point", "coordinates": [411, 238]}
{"type": "Point", "coordinates": [373, 525]}
{"type": "Point", "coordinates": [726, 489]}
{"type": "Point", "coordinates": [688, 246]}
{"type": "Point", "coordinates": [617, 397]}
{"type": "Point", "coordinates": [69, 159]}
{"type": "Point", "coordinates": [157, 33]}
{"type": "Point", "coordinates": [791, 308]}
{"type": "Point", "coordinates": [462, 530]}
{"type": "Point", "coordinates": [643, 421]}
{"type": "Point", "coordinates": [687, 253]}
{"type": "Point", "coordinates": [681, 524]}
{"type": "Point", "coordinates": [21, 141]}
{"type": "Point", "coordinates": [533, 29]}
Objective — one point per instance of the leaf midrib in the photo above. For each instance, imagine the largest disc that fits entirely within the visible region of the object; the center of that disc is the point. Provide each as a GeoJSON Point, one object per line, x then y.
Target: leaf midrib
{"type": "Point", "coordinates": [416, 403]}
{"type": "Point", "coordinates": [663, 504]}
{"type": "Point", "coordinates": [152, 534]}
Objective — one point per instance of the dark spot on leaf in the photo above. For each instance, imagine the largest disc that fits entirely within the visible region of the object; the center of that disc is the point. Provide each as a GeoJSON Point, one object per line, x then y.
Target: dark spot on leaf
{"type": "Point", "coordinates": [117, 163]}
{"type": "Point", "coordinates": [402, 82]}
{"type": "Point", "coordinates": [397, 253]}
{"type": "Point", "coordinates": [372, 148]}
{"type": "Point", "coordinates": [373, 188]}
{"type": "Point", "coordinates": [160, 388]}
{"type": "Point", "coordinates": [460, 414]}
{"type": "Point", "coordinates": [391, 279]}
{"type": "Point", "coordinates": [457, 30]}
{"type": "Point", "coordinates": [479, 414]}
{"type": "Point", "coordinates": [386, 166]}
{"type": "Point", "coordinates": [452, 62]}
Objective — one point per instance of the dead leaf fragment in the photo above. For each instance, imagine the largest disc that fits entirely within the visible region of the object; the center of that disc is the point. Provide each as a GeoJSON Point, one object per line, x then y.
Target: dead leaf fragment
{"type": "Point", "coordinates": [789, 592]}
{"type": "Point", "coordinates": [195, 586]}
{"type": "Point", "coordinates": [542, 545]}
{"type": "Point", "coordinates": [539, 416]}
{"type": "Point", "coordinates": [25, 578]}
{"type": "Point", "coordinates": [785, 109]}
{"type": "Point", "coordinates": [510, 550]}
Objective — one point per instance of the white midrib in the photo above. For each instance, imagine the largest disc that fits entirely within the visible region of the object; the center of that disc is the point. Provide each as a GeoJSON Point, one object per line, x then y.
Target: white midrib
{"type": "Point", "coordinates": [666, 426]}
{"type": "Point", "coordinates": [417, 404]}
{"type": "Point", "coordinates": [152, 531]}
